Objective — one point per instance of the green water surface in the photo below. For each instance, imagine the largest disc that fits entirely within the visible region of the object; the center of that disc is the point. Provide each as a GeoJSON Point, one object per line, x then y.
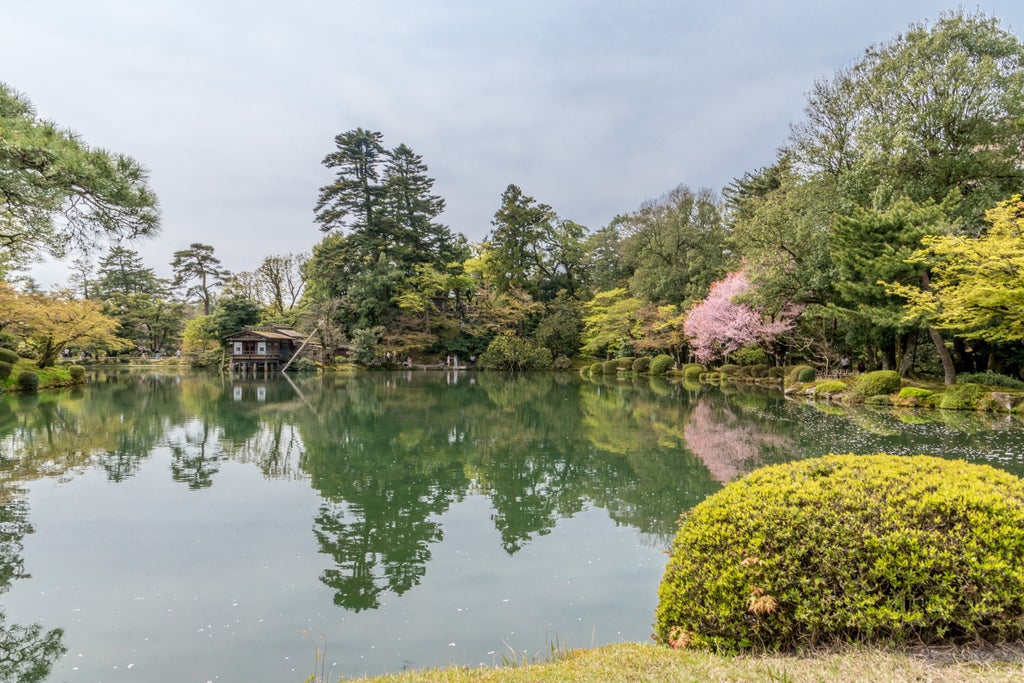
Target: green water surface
{"type": "Point", "coordinates": [165, 527]}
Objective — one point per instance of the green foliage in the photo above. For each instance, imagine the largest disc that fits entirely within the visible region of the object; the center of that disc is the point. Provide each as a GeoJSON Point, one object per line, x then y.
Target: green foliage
{"type": "Point", "coordinates": [756, 370]}
{"type": "Point", "coordinates": [5, 369]}
{"type": "Point", "coordinates": [562, 363]}
{"type": "Point", "coordinates": [366, 348]}
{"type": "Point", "coordinates": [794, 372]}
{"type": "Point", "coordinates": [624, 363]}
{"type": "Point", "coordinates": [509, 352]}
{"type": "Point", "coordinates": [199, 271]}
{"type": "Point", "coordinates": [642, 364]}
{"type": "Point", "coordinates": [77, 373]}
{"type": "Point", "coordinates": [676, 246]}
{"type": "Point", "coordinates": [877, 383]}
{"type": "Point", "coordinates": [777, 372]}
{"type": "Point", "coordinates": [28, 380]}
{"type": "Point", "coordinates": [849, 548]}
{"type": "Point", "coordinates": [989, 379]}
{"type": "Point", "coordinates": [8, 356]}
{"type": "Point", "coordinates": [915, 392]}
{"type": "Point", "coordinates": [692, 370]}
{"type": "Point", "coordinates": [750, 355]}
{"type": "Point", "coordinates": [829, 387]}
{"type": "Point", "coordinates": [609, 367]}
{"type": "Point", "coordinates": [661, 364]}
{"type": "Point", "coordinates": [231, 314]}
{"type": "Point", "coordinates": [728, 368]}
{"type": "Point", "coordinates": [806, 374]}
{"type": "Point", "coordinates": [962, 397]}
{"type": "Point", "coordinates": [57, 192]}
{"type": "Point", "coordinates": [303, 365]}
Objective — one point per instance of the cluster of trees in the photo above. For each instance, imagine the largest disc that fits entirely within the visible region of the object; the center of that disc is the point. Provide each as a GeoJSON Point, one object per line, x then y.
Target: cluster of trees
{"type": "Point", "coordinates": [867, 238]}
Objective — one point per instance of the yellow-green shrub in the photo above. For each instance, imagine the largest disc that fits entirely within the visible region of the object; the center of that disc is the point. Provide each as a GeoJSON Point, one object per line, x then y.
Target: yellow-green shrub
{"type": "Point", "coordinates": [8, 356]}
{"type": "Point", "coordinates": [661, 364]}
{"type": "Point", "coordinates": [642, 364]}
{"type": "Point", "coordinates": [849, 548]}
{"type": "Point", "coordinates": [797, 372]}
{"type": "Point", "coordinates": [77, 373]}
{"type": "Point", "coordinates": [877, 383]}
{"type": "Point", "coordinates": [830, 386]}
{"type": "Point", "coordinates": [692, 370]}
{"type": "Point", "coordinates": [962, 397]}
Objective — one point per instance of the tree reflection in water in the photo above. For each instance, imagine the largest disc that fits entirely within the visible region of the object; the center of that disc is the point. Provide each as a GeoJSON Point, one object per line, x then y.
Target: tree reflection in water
{"type": "Point", "coordinates": [27, 653]}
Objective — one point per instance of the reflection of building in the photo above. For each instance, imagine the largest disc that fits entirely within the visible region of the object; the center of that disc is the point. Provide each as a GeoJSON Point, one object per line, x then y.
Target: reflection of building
{"type": "Point", "coordinates": [238, 392]}
{"type": "Point", "coordinates": [267, 348]}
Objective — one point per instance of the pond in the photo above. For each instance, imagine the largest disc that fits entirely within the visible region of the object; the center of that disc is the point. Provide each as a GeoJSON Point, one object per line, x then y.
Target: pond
{"type": "Point", "coordinates": [164, 527]}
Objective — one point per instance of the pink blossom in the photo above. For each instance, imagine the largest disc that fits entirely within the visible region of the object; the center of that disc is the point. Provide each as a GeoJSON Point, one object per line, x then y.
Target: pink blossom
{"type": "Point", "coordinates": [718, 325]}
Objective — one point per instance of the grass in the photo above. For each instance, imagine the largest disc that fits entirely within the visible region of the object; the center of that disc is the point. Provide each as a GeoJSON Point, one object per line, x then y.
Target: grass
{"type": "Point", "coordinates": [56, 376]}
{"type": "Point", "coordinates": [636, 662]}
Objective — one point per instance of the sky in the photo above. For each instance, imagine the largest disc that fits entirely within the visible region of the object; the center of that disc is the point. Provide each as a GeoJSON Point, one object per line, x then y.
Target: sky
{"type": "Point", "coordinates": [592, 107]}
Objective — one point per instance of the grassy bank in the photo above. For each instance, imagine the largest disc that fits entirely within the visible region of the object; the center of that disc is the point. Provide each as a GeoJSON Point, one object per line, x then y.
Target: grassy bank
{"type": "Point", "coordinates": [646, 662]}
{"type": "Point", "coordinates": [49, 378]}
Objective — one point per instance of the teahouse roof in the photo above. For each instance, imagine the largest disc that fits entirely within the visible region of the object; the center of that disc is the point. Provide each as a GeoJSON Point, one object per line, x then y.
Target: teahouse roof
{"type": "Point", "coordinates": [274, 333]}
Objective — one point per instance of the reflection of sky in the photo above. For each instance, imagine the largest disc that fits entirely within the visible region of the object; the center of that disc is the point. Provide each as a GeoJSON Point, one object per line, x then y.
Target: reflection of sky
{"type": "Point", "coordinates": [152, 581]}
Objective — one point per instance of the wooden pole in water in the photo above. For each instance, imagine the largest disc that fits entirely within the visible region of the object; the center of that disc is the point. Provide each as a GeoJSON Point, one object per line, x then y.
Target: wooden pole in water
{"type": "Point", "coordinates": [296, 354]}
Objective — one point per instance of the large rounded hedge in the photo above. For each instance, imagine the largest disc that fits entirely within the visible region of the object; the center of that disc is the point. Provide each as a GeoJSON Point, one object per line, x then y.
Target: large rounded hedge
{"type": "Point", "coordinates": [876, 383]}
{"type": "Point", "coordinates": [8, 356]}
{"type": "Point", "coordinates": [849, 548]}
{"type": "Point", "coordinates": [661, 364]}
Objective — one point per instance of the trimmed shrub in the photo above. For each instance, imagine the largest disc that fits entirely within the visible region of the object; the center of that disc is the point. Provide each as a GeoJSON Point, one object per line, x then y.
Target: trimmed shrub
{"type": "Point", "coordinates": [661, 363]}
{"type": "Point", "coordinates": [28, 381]}
{"type": "Point", "coordinates": [875, 383]}
{"type": "Point", "coordinates": [624, 363]}
{"type": "Point", "coordinates": [797, 371]}
{"type": "Point", "coordinates": [728, 368]}
{"type": "Point", "coordinates": [562, 363]}
{"type": "Point", "coordinates": [77, 373]}
{"type": "Point", "coordinates": [609, 367]}
{"type": "Point", "coordinates": [776, 372]}
{"type": "Point", "coordinates": [989, 379]}
{"type": "Point", "coordinates": [692, 370]}
{"type": "Point", "coordinates": [829, 387]}
{"type": "Point", "coordinates": [759, 370]}
{"type": "Point", "coordinates": [5, 369]}
{"type": "Point", "coordinates": [8, 356]}
{"type": "Point", "coordinates": [642, 364]}
{"type": "Point", "coordinates": [962, 397]}
{"type": "Point", "coordinates": [849, 548]}
{"type": "Point", "coordinates": [915, 392]}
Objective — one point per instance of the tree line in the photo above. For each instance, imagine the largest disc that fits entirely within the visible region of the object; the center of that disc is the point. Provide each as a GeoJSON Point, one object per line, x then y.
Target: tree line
{"type": "Point", "coordinates": [887, 231]}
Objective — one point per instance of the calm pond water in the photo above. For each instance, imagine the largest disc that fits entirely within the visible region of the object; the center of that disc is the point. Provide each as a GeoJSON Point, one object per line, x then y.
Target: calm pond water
{"type": "Point", "coordinates": [160, 527]}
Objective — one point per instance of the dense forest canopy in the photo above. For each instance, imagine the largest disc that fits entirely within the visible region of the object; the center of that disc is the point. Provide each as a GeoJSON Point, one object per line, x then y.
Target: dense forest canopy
{"type": "Point", "coordinates": [871, 236]}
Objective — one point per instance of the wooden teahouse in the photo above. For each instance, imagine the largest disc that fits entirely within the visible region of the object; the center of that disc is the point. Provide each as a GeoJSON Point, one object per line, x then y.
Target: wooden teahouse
{"type": "Point", "coordinates": [266, 348]}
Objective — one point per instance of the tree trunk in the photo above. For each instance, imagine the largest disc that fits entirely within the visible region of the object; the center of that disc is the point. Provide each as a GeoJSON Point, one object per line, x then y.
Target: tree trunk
{"type": "Point", "coordinates": [948, 370]}
{"type": "Point", "coordinates": [888, 353]}
{"type": "Point", "coordinates": [907, 347]}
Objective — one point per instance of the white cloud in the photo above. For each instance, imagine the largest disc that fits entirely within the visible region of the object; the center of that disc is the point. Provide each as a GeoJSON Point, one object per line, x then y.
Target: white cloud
{"type": "Point", "coordinates": [589, 106]}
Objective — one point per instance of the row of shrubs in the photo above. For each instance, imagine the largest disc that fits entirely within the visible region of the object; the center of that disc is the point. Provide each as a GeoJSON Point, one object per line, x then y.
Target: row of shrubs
{"type": "Point", "coordinates": [642, 365]}
{"type": "Point", "coordinates": [884, 387]}
{"type": "Point", "coordinates": [27, 380]}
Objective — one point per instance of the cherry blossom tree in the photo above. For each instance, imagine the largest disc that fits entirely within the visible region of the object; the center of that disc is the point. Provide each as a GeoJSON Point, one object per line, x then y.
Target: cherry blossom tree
{"type": "Point", "coordinates": [719, 324]}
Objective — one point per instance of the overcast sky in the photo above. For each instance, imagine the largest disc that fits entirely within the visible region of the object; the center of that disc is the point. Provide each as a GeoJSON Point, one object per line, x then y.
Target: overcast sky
{"type": "Point", "coordinates": [591, 107]}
